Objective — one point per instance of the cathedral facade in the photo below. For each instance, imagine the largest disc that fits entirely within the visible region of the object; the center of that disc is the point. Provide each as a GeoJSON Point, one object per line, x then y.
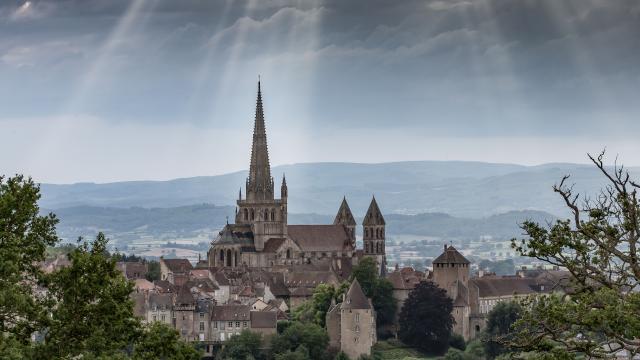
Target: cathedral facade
{"type": "Point", "coordinates": [261, 237]}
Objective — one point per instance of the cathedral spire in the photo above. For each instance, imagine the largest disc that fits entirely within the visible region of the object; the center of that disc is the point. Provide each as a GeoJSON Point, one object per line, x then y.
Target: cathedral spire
{"type": "Point", "coordinates": [259, 182]}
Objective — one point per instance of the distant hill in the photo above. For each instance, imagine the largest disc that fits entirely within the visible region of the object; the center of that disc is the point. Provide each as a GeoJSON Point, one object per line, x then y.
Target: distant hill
{"type": "Point", "coordinates": [464, 189]}
{"type": "Point", "coordinates": [135, 223]}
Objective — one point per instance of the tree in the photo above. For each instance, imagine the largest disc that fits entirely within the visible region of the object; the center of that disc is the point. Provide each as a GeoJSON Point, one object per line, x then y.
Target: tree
{"type": "Point", "coordinates": [301, 353]}
{"type": "Point", "coordinates": [315, 309]}
{"type": "Point", "coordinates": [499, 323]}
{"type": "Point", "coordinates": [457, 342]}
{"type": "Point", "coordinates": [153, 271]}
{"type": "Point", "coordinates": [24, 238]}
{"type": "Point", "coordinates": [158, 341]}
{"type": "Point", "coordinates": [341, 356]}
{"type": "Point", "coordinates": [244, 346]}
{"type": "Point", "coordinates": [380, 290]}
{"type": "Point", "coordinates": [310, 335]}
{"type": "Point", "coordinates": [425, 319]}
{"type": "Point", "coordinates": [93, 313]}
{"type": "Point", "coordinates": [598, 246]}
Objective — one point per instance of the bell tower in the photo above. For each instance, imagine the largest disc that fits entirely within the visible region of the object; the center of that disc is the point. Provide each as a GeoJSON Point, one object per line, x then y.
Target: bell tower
{"type": "Point", "coordinates": [374, 235]}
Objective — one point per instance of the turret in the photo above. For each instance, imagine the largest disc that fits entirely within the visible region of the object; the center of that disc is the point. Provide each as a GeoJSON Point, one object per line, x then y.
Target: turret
{"type": "Point", "coordinates": [345, 217]}
{"type": "Point", "coordinates": [374, 235]}
{"type": "Point", "coordinates": [283, 189]}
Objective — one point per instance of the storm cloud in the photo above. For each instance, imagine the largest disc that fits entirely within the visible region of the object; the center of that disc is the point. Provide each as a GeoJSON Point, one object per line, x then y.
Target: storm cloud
{"type": "Point", "coordinates": [473, 71]}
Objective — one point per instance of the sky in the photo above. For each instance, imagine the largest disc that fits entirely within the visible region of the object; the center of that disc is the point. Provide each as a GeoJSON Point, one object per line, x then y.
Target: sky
{"type": "Point", "coordinates": [113, 90]}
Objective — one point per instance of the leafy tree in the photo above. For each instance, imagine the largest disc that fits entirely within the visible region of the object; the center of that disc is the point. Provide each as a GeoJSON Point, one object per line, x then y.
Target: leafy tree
{"type": "Point", "coordinates": [315, 309]}
{"type": "Point", "coordinates": [309, 335]}
{"type": "Point", "coordinates": [301, 353]}
{"type": "Point", "coordinates": [426, 320]}
{"type": "Point", "coordinates": [244, 346]}
{"type": "Point", "coordinates": [598, 246]}
{"type": "Point", "coordinates": [153, 271]}
{"type": "Point", "coordinates": [475, 350]}
{"type": "Point", "coordinates": [93, 312]}
{"type": "Point", "coordinates": [380, 290]}
{"type": "Point", "coordinates": [24, 238]}
{"type": "Point", "coordinates": [457, 342]}
{"type": "Point", "coordinates": [499, 323]}
{"type": "Point", "coordinates": [341, 356]}
{"type": "Point", "coordinates": [455, 354]}
{"type": "Point", "coordinates": [159, 341]}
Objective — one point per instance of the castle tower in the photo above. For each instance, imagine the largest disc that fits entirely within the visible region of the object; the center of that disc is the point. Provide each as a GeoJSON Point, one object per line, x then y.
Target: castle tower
{"type": "Point", "coordinates": [451, 273]}
{"type": "Point", "coordinates": [345, 217]}
{"type": "Point", "coordinates": [266, 215]}
{"type": "Point", "coordinates": [374, 235]}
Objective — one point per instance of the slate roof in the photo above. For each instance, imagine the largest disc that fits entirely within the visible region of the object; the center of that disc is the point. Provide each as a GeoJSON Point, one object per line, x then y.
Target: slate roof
{"type": "Point", "coordinates": [236, 234]}
{"type": "Point", "coordinates": [184, 296]}
{"type": "Point", "coordinates": [231, 312]}
{"type": "Point", "coordinates": [325, 238]}
{"type": "Point", "coordinates": [164, 286]}
{"type": "Point", "coordinates": [309, 279]}
{"type": "Point", "coordinates": [355, 298]}
{"type": "Point", "coordinates": [451, 256]}
{"type": "Point", "coordinates": [160, 301]}
{"type": "Point", "coordinates": [178, 265]}
{"type": "Point", "coordinates": [263, 319]}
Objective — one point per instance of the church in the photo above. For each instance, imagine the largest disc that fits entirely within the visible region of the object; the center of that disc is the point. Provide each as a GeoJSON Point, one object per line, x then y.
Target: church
{"type": "Point", "coordinates": [262, 238]}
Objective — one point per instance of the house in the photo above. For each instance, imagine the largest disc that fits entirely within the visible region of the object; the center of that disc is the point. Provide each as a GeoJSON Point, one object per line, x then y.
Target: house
{"type": "Point", "coordinates": [175, 271]}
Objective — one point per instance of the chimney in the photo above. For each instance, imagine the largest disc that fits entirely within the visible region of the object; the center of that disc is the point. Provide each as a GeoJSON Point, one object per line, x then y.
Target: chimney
{"type": "Point", "coordinates": [445, 247]}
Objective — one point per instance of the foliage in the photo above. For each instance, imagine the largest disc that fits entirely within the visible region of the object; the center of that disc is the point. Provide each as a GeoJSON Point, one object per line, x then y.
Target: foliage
{"type": "Point", "coordinates": [24, 238]}
{"type": "Point", "coordinates": [599, 248]}
{"type": "Point", "coordinates": [315, 309]}
{"type": "Point", "coordinates": [457, 342]}
{"type": "Point", "coordinates": [153, 271]}
{"type": "Point", "coordinates": [309, 335]}
{"type": "Point", "coordinates": [426, 319]}
{"type": "Point", "coordinates": [244, 346]}
{"type": "Point", "coordinates": [301, 353]}
{"type": "Point", "coordinates": [395, 350]}
{"type": "Point", "coordinates": [475, 350]}
{"type": "Point", "coordinates": [341, 356]}
{"type": "Point", "coordinates": [93, 312]}
{"type": "Point", "coordinates": [498, 330]}
{"type": "Point", "coordinates": [159, 341]}
{"type": "Point", "coordinates": [380, 290]}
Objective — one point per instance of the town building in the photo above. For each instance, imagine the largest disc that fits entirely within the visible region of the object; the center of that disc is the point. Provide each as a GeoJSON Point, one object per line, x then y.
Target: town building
{"type": "Point", "coordinates": [351, 324]}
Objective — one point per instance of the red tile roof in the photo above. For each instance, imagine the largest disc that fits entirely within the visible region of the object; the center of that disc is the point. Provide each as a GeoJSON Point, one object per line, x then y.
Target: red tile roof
{"type": "Point", "coordinates": [325, 238]}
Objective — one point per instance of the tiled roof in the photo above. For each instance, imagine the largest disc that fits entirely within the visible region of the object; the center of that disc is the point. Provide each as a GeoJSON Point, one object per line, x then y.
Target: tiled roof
{"type": "Point", "coordinates": [273, 244]}
{"type": "Point", "coordinates": [178, 265]}
{"type": "Point", "coordinates": [325, 238]}
{"type": "Point", "coordinates": [495, 286]}
{"type": "Point", "coordinates": [450, 256]}
{"type": "Point", "coordinates": [231, 312]}
{"type": "Point", "coordinates": [144, 284]}
{"type": "Point", "coordinates": [162, 301]}
{"type": "Point", "coordinates": [310, 279]}
{"type": "Point", "coordinates": [164, 286]}
{"type": "Point", "coordinates": [355, 298]}
{"type": "Point", "coordinates": [184, 296]}
{"type": "Point", "coordinates": [263, 319]}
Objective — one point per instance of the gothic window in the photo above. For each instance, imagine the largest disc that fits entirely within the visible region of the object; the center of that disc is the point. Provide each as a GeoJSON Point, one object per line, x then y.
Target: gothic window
{"type": "Point", "coordinates": [222, 256]}
{"type": "Point", "coordinates": [377, 233]}
{"type": "Point", "coordinates": [252, 214]}
{"type": "Point", "coordinates": [288, 253]}
{"type": "Point", "coordinates": [366, 232]}
{"type": "Point", "coordinates": [246, 214]}
{"type": "Point", "coordinates": [273, 215]}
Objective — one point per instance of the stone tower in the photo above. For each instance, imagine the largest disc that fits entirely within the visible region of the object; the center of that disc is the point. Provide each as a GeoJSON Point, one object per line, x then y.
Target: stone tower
{"type": "Point", "coordinates": [374, 235]}
{"type": "Point", "coordinates": [266, 215]}
{"type": "Point", "coordinates": [345, 217]}
{"type": "Point", "coordinates": [451, 273]}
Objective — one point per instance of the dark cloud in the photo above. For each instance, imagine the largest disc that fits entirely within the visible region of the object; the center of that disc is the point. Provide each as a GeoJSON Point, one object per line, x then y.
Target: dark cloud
{"type": "Point", "coordinates": [476, 68]}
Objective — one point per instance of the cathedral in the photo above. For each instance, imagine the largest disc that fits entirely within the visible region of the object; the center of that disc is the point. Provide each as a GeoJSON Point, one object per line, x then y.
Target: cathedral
{"type": "Point", "coordinates": [261, 237]}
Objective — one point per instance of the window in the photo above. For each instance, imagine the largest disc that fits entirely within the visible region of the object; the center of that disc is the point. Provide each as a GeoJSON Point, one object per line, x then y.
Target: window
{"type": "Point", "coordinates": [355, 340]}
{"type": "Point", "coordinates": [244, 324]}
{"type": "Point", "coordinates": [215, 324]}
{"type": "Point", "coordinates": [237, 324]}
{"type": "Point", "coordinates": [357, 317]}
{"type": "Point", "coordinates": [201, 315]}
{"type": "Point", "coordinates": [163, 317]}
{"type": "Point", "coordinates": [230, 324]}
{"type": "Point", "coordinates": [221, 325]}
{"type": "Point", "coordinates": [155, 318]}
{"type": "Point", "coordinates": [201, 325]}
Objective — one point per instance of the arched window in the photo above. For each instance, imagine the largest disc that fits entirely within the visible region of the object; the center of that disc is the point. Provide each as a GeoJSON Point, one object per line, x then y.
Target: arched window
{"type": "Point", "coordinates": [377, 233]}
{"type": "Point", "coordinates": [222, 256]}
{"type": "Point", "coordinates": [235, 263]}
{"type": "Point", "coordinates": [253, 215]}
{"type": "Point", "coordinates": [246, 214]}
{"type": "Point", "coordinates": [288, 253]}
{"type": "Point", "coordinates": [273, 215]}
{"type": "Point", "coordinates": [229, 257]}
{"type": "Point", "coordinates": [366, 232]}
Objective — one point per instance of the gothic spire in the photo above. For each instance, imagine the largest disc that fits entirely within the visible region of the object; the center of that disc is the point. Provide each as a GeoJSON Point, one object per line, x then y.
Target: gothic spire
{"type": "Point", "coordinates": [374, 215]}
{"type": "Point", "coordinates": [344, 215]}
{"type": "Point", "coordinates": [259, 183]}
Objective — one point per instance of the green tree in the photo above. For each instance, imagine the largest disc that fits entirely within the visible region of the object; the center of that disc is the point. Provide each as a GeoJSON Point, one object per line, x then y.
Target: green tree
{"type": "Point", "coordinates": [598, 247]}
{"type": "Point", "coordinates": [313, 337]}
{"type": "Point", "coordinates": [301, 353]}
{"type": "Point", "coordinates": [93, 313]}
{"type": "Point", "coordinates": [380, 290]}
{"type": "Point", "coordinates": [426, 320]}
{"type": "Point", "coordinates": [153, 271]}
{"type": "Point", "coordinates": [457, 342]}
{"type": "Point", "coordinates": [159, 341]}
{"type": "Point", "coordinates": [475, 350]}
{"type": "Point", "coordinates": [315, 309]}
{"type": "Point", "coordinates": [499, 323]}
{"type": "Point", "coordinates": [341, 356]}
{"type": "Point", "coordinates": [24, 238]}
{"type": "Point", "coordinates": [242, 347]}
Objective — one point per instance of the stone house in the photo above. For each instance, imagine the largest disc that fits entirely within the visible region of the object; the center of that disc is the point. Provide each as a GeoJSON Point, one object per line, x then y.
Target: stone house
{"type": "Point", "coordinates": [351, 324]}
{"type": "Point", "coordinates": [229, 320]}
